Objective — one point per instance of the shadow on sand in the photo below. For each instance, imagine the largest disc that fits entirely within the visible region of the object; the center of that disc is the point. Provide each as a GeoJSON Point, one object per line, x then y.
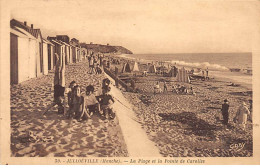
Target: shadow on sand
{"type": "Point", "coordinates": [195, 125]}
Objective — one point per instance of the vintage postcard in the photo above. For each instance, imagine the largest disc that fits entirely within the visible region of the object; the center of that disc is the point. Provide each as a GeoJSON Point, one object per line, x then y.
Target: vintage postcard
{"type": "Point", "coordinates": [133, 82]}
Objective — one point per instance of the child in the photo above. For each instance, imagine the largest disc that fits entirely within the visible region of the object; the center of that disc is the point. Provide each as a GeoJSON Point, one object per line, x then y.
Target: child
{"type": "Point", "coordinates": [91, 103]}
{"type": "Point", "coordinates": [78, 104]}
{"type": "Point", "coordinates": [98, 69]}
{"type": "Point", "coordinates": [70, 98]}
{"type": "Point", "coordinates": [106, 101]}
{"type": "Point", "coordinates": [105, 82]}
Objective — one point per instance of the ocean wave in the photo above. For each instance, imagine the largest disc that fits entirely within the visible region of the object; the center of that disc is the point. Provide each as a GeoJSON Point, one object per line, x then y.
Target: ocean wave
{"type": "Point", "coordinates": [202, 65]}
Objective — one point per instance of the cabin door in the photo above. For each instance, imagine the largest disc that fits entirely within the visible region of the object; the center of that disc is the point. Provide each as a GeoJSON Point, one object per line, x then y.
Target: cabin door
{"type": "Point", "coordinates": [14, 60]}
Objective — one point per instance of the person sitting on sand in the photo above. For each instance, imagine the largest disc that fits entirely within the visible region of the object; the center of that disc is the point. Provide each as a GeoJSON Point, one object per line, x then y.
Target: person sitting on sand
{"type": "Point", "coordinates": [90, 100]}
{"type": "Point", "coordinates": [78, 105]}
{"type": "Point", "coordinates": [105, 82]}
{"type": "Point", "coordinates": [241, 116]}
{"type": "Point", "coordinates": [106, 101]}
{"type": "Point", "coordinates": [192, 92]}
{"type": "Point", "coordinates": [224, 110]}
{"type": "Point", "coordinates": [175, 88]}
{"type": "Point", "coordinates": [70, 98]}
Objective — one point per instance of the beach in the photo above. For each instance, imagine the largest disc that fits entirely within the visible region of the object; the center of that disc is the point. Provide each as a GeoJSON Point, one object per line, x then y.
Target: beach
{"type": "Point", "coordinates": [177, 125]}
{"type": "Point", "coordinates": [187, 125]}
{"type": "Point", "coordinates": [53, 135]}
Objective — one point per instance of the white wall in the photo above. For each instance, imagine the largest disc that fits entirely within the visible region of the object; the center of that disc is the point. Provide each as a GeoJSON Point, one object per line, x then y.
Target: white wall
{"type": "Point", "coordinates": [32, 58]}
{"type": "Point", "coordinates": [23, 59]}
{"type": "Point", "coordinates": [45, 58]}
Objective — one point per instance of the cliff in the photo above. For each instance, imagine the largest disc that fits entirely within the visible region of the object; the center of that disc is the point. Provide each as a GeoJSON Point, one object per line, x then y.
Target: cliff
{"type": "Point", "coordinates": [106, 48]}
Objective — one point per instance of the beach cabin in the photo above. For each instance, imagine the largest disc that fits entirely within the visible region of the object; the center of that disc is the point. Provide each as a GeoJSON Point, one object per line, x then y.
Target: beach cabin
{"type": "Point", "coordinates": [33, 53]}
{"type": "Point", "coordinates": [58, 48]}
{"type": "Point", "coordinates": [22, 56]}
{"type": "Point", "coordinates": [38, 36]}
{"type": "Point", "coordinates": [66, 52]}
{"type": "Point", "coordinates": [73, 53]}
{"type": "Point", "coordinates": [70, 52]}
{"type": "Point", "coordinates": [45, 56]}
{"type": "Point", "coordinates": [65, 40]}
{"type": "Point", "coordinates": [50, 55]}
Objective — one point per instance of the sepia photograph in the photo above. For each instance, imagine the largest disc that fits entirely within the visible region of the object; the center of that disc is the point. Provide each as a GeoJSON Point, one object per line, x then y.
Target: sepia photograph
{"type": "Point", "coordinates": [130, 82]}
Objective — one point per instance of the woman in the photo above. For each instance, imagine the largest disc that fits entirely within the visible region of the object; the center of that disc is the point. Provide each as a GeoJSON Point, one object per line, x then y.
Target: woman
{"type": "Point", "coordinates": [241, 116]}
{"type": "Point", "coordinates": [59, 85]}
{"type": "Point", "coordinates": [59, 75]}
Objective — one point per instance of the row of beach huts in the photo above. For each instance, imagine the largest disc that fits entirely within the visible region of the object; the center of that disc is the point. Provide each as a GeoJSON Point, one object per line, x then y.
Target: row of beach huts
{"type": "Point", "coordinates": [32, 56]}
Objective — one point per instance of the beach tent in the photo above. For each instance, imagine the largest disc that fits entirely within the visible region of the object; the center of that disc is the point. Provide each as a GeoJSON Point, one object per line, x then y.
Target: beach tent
{"type": "Point", "coordinates": [152, 69]}
{"type": "Point", "coordinates": [135, 68]}
{"type": "Point", "coordinates": [173, 72]}
{"type": "Point", "coordinates": [183, 76]}
{"type": "Point", "coordinates": [126, 68]}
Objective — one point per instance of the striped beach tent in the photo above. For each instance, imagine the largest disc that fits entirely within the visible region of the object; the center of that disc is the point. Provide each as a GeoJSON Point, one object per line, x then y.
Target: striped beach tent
{"type": "Point", "coordinates": [183, 76]}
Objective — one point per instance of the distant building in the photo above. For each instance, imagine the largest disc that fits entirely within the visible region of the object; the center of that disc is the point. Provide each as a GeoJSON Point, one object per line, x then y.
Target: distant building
{"type": "Point", "coordinates": [63, 38]}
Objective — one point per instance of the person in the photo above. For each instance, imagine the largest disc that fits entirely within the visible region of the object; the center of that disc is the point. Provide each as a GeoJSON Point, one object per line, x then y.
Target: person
{"type": "Point", "coordinates": [98, 69]}
{"type": "Point", "coordinates": [224, 110]}
{"type": "Point", "coordinates": [133, 84]}
{"type": "Point", "coordinates": [91, 104]}
{"type": "Point", "coordinates": [105, 82]}
{"type": "Point", "coordinates": [59, 86]}
{"type": "Point", "coordinates": [59, 74]}
{"type": "Point", "coordinates": [164, 87]}
{"type": "Point", "coordinates": [207, 74]}
{"type": "Point", "coordinates": [192, 92]}
{"type": "Point", "coordinates": [108, 64]}
{"type": "Point", "coordinates": [106, 101]}
{"type": "Point", "coordinates": [91, 65]}
{"type": "Point", "coordinates": [174, 89]}
{"type": "Point", "coordinates": [241, 115]}
{"type": "Point", "coordinates": [78, 105]}
{"type": "Point", "coordinates": [70, 98]}
{"type": "Point", "coordinates": [156, 87]}
{"type": "Point", "coordinates": [101, 60]}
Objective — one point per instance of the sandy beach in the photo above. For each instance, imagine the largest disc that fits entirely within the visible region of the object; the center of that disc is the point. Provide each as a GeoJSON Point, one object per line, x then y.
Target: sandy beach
{"type": "Point", "coordinates": [187, 125]}
{"type": "Point", "coordinates": [179, 125]}
{"type": "Point", "coordinates": [53, 135]}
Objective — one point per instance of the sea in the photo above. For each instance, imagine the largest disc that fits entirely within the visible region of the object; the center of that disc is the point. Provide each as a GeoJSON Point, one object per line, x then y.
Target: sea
{"type": "Point", "coordinates": [235, 67]}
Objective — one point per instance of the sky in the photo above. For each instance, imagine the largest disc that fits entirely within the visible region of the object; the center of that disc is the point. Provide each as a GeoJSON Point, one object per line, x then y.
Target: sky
{"type": "Point", "coordinates": [147, 26]}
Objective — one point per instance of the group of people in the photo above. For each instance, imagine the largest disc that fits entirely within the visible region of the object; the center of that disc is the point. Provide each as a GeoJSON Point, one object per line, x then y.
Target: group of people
{"type": "Point", "coordinates": [95, 63]}
{"type": "Point", "coordinates": [178, 89]}
{"type": "Point", "coordinates": [243, 114]}
{"type": "Point", "coordinates": [83, 106]}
